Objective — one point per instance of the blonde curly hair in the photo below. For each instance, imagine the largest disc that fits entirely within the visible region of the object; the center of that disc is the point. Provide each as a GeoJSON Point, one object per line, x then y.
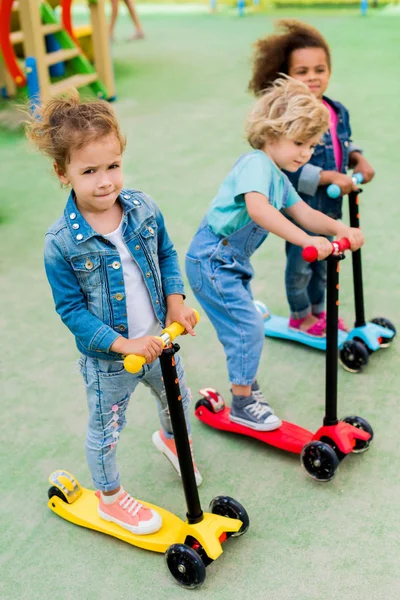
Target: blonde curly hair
{"type": "Point", "coordinates": [286, 108]}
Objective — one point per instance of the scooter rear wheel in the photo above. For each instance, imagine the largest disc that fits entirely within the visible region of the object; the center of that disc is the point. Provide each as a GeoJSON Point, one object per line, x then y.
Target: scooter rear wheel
{"type": "Point", "coordinates": [319, 460]}
{"type": "Point", "coordinates": [185, 565]}
{"type": "Point", "coordinates": [55, 491]}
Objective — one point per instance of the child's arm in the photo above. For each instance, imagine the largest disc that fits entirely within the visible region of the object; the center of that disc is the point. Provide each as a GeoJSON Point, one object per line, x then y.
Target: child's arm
{"type": "Point", "coordinates": [317, 222]}
{"type": "Point", "coordinates": [361, 165]}
{"type": "Point", "coordinates": [71, 306]}
{"type": "Point", "coordinates": [268, 217]}
{"type": "Point", "coordinates": [70, 302]}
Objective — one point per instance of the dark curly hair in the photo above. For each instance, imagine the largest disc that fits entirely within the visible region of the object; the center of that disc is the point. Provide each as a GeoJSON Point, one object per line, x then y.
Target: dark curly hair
{"type": "Point", "coordinates": [272, 53]}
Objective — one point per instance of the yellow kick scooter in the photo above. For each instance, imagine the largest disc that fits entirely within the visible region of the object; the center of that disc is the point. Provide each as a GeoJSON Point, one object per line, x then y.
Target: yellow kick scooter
{"type": "Point", "coordinates": [189, 546]}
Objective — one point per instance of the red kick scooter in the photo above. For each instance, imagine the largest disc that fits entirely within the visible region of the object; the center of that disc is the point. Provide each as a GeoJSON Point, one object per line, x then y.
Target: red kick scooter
{"type": "Point", "coordinates": [322, 451]}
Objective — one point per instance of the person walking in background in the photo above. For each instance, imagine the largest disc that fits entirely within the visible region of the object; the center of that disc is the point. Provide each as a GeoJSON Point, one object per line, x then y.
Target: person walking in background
{"type": "Point", "coordinates": [139, 33]}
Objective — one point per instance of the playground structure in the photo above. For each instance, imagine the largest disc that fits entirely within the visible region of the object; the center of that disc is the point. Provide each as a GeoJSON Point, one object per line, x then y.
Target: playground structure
{"type": "Point", "coordinates": [33, 28]}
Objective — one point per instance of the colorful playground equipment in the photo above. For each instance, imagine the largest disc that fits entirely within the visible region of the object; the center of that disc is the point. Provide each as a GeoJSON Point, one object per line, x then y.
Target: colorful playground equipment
{"type": "Point", "coordinates": [32, 27]}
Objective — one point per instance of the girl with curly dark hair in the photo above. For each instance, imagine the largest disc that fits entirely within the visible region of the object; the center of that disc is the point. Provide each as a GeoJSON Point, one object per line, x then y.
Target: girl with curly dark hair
{"type": "Point", "coordinates": [300, 51]}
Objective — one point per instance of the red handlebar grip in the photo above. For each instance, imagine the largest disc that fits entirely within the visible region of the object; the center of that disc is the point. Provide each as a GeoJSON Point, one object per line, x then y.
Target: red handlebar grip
{"type": "Point", "coordinates": [310, 254]}
{"type": "Point", "coordinates": [340, 245]}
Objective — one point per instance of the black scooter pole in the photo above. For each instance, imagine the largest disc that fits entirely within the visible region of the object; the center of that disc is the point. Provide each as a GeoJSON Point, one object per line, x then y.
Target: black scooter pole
{"type": "Point", "coordinates": [171, 382]}
{"type": "Point", "coordinates": [357, 266]}
{"type": "Point", "coordinates": [331, 359]}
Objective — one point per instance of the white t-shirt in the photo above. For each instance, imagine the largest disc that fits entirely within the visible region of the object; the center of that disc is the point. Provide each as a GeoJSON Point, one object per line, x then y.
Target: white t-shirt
{"type": "Point", "coordinates": [141, 317]}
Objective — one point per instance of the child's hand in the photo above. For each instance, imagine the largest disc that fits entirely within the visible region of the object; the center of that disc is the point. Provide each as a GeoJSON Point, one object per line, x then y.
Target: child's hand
{"type": "Point", "coordinates": [362, 166]}
{"type": "Point", "coordinates": [148, 346]}
{"type": "Point", "coordinates": [180, 313]}
{"type": "Point", "coordinates": [323, 246]}
{"type": "Point", "coordinates": [345, 182]}
{"type": "Point", "coordinates": [354, 235]}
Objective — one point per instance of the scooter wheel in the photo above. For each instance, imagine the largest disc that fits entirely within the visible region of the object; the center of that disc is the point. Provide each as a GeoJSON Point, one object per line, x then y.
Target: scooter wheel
{"type": "Point", "coordinates": [353, 356]}
{"type": "Point", "coordinates": [360, 423]}
{"type": "Point", "coordinates": [383, 322]}
{"type": "Point", "coordinates": [204, 402]}
{"type": "Point", "coordinates": [319, 460]}
{"type": "Point", "coordinates": [225, 506]}
{"type": "Point", "coordinates": [55, 491]}
{"type": "Point", "coordinates": [185, 565]}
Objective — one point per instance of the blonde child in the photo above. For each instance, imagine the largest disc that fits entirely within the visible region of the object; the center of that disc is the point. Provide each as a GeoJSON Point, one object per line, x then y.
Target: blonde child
{"type": "Point", "coordinates": [300, 51]}
{"type": "Point", "coordinates": [116, 282]}
{"type": "Point", "coordinates": [284, 127]}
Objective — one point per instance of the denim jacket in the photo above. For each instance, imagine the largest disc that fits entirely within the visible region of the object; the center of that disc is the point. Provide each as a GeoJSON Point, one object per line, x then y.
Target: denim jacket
{"type": "Point", "coordinates": [85, 274]}
{"type": "Point", "coordinates": [306, 179]}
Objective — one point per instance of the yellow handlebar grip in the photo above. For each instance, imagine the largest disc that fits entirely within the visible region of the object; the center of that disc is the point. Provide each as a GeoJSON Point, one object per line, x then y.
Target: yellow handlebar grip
{"type": "Point", "coordinates": [134, 363]}
{"type": "Point", "coordinates": [176, 329]}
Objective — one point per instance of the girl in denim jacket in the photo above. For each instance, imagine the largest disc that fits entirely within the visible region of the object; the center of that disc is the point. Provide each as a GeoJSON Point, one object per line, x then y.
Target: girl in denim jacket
{"type": "Point", "coordinates": [301, 52]}
{"type": "Point", "coordinates": [116, 282]}
{"type": "Point", "coordinates": [283, 128]}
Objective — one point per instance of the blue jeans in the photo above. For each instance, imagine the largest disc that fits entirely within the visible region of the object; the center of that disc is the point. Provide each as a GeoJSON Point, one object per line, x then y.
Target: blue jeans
{"type": "Point", "coordinates": [305, 283]}
{"type": "Point", "coordinates": [219, 274]}
{"type": "Point", "coordinates": [108, 388]}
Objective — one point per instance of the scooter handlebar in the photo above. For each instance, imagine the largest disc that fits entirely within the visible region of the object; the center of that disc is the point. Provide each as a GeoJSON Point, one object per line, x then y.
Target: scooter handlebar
{"type": "Point", "coordinates": [310, 254]}
{"type": "Point", "coordinates": [133, 362]}
{"type": "Point", "coordinates": [334, 190]}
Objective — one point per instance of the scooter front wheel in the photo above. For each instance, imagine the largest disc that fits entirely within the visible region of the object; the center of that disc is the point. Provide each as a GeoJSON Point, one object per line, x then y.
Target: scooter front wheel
{"type": "Point", "coordinates": [225, 506]}
{"type": "Point", "coordinates": [383, 322]}
{"type": "Point", "coordinates": [185, 565]}
{"type": "Point", "coordinates": [319, 460]}
{"type": "Point", "coordinates": [360, 423]}
{"type": "Point", "coordinates": [353, 356]}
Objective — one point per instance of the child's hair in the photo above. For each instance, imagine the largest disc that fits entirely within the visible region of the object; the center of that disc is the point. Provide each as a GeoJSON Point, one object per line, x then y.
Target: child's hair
{"type": "Point", "coordinates": [287, 108]}
{"type": "Point", "coordinates": [67, 124]}
{"type": "Point", "coordinates": [272, 54]}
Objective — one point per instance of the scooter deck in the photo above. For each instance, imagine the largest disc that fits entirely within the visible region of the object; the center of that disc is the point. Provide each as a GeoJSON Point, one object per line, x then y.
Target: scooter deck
{"type": "Point", "coordinates": [278, 327]}
{"type": "Point", "coordinates": [289, 437]}
{"type": "Point", "coordinates": [83, 512]}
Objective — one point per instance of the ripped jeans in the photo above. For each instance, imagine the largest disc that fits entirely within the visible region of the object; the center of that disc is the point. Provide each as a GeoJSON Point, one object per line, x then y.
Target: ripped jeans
{"type": "Point", "coordinates": [108, 388]}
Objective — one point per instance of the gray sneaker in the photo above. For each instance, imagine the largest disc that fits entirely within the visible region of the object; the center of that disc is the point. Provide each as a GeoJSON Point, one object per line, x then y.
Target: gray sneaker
{"type": "Point", "coordinates": [253, 413]}
{"type": "Point", "coordinates": [258, 395]}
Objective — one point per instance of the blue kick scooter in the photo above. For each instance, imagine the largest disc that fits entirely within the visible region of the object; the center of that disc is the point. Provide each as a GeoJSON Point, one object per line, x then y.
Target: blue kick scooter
{"type": "Point", "coordinates": [354, 346]}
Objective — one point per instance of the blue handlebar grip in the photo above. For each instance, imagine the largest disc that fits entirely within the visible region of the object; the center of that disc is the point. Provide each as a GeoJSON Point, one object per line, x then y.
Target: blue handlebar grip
{"type": "Point", "coordinates": [334, 190]}
{"type": "Point", "coordinates": [358, 177]}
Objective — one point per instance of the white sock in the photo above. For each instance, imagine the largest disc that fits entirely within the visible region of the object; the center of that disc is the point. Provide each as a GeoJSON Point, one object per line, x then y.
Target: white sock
{"type": "Point", "coordinates": [114, 497]}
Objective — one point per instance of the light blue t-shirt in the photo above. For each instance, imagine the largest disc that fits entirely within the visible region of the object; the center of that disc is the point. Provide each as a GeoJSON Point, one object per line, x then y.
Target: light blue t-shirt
{"type": "Point", "coordinates": [253, 172]}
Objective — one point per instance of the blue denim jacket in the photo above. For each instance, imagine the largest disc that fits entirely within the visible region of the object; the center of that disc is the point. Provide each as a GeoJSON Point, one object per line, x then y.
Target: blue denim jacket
{"type": "Point", "coordinates": [306, 179]}
{"type": "Point", "coordinates": [85, 273]}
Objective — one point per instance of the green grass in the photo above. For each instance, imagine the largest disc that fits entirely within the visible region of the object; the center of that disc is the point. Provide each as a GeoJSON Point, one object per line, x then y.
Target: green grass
{"type": "Point", "coordinates": [182, 101]}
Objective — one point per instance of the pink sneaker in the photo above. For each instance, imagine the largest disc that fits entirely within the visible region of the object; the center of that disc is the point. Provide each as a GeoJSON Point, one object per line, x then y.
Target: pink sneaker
{"type": "Point", "coordinates": [341, 324]}
{"type": "Point", "coordinates": [316, 330]}
{"type": "Point", "coordinates": [130, 514]}
{"type": "Point", "coordinates": [168, 448]}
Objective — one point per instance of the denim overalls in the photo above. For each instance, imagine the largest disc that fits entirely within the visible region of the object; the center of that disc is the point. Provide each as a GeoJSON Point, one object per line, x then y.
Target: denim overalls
{"type": "Point", "coordinates": [219, 272]}
{"type": "Point", "coordinates": [305, 282]}
{"type": "Point", "coordinates": [85, 274]}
